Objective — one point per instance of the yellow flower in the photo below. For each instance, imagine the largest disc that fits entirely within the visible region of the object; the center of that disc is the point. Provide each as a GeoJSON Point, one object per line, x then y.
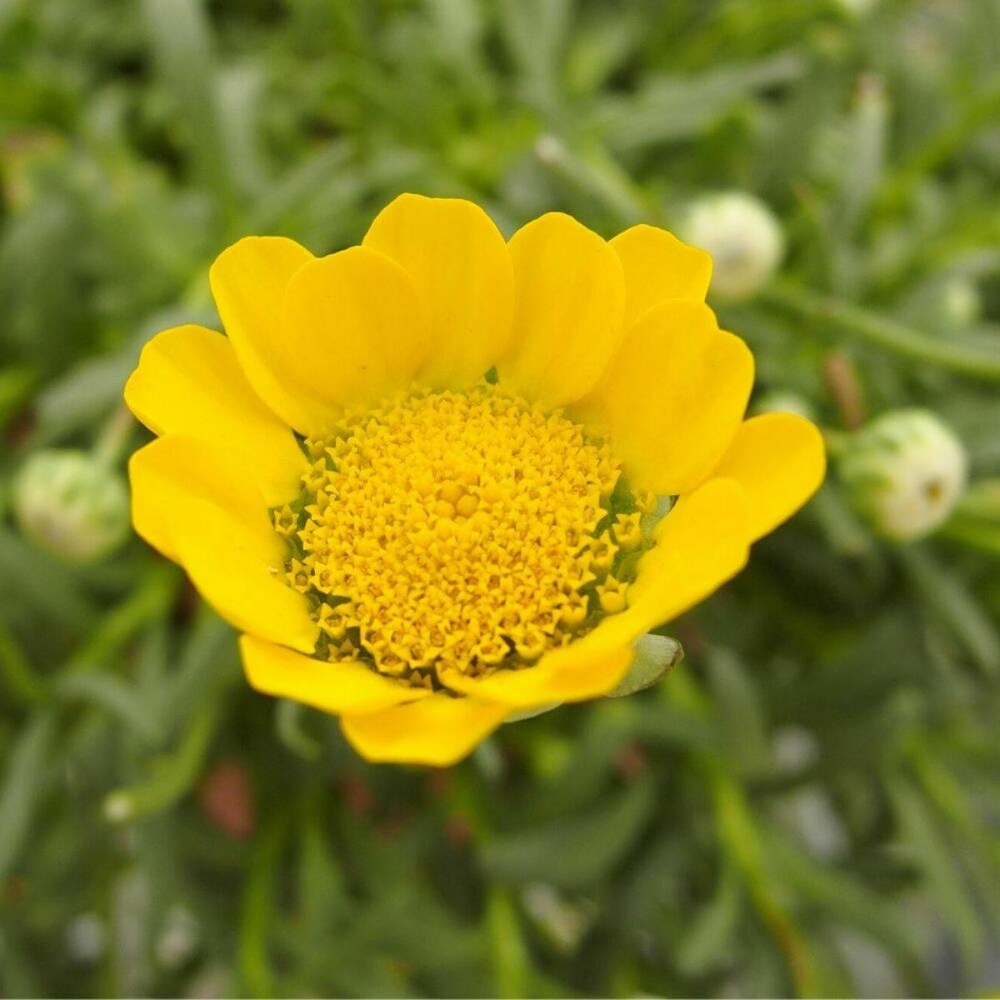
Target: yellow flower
{"type": "Point", "coordinates": [439, 479]}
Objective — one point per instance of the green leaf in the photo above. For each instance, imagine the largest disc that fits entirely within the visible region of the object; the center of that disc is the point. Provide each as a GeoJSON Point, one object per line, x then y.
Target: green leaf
{"type": "Point", "coordinates": [171, 775]}
{"type": "Point", "coordinates": [180, 38]}
{"type": "Point", "coordinates": [842, 897]}
{"type": "Point", "coordinates": [510, 958]}
{"type": "Point", "coordinates": [577, 850]}
{"type": "Point", "coordinates": [934, 855]}
{"type": "Point", "coordinates": [708, 941]}
{"type": "Point", "coordinates": [741, 714]}
{"type": "Point", "coordinates": [114, 695]}
{"type": "Point", "coordinates": [23, 784]}
{"type": "Point", "coordinates": [946, 594]}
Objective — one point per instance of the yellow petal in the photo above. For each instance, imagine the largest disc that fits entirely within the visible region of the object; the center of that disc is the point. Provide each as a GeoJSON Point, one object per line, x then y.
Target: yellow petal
{"type": "Point", "coordinates": [332, 687]}
{"type": "Point", "coordinates": [175, 467]}
{"type": "Point", "coordinates": [355, 328]}
{"type": "Point", "coordinates": [700, 544]}
{"type": "Point", "coordinates": [197, 505]}
{"type": "Point", "coordinates": [248, 283]}
{"type": "Point", "coordinates": [674, 396]}
{"type": "Point", "coordinates": [188, 382]}
{"type": "Point", "coordinates": [659, 266]}
{"type": "Point", "coordinates": [780, 461]}
{"type": "Point", "coordinates": [573, 673]}
{"type": "Point", "coordinates": [439, 730]}
{"type": "Point", "coordinates": [570, 300]}
{"type": "Point", "coordinates": [459, 261]}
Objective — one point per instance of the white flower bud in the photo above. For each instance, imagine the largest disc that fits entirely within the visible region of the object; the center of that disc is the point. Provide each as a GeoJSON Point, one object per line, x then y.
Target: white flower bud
{"type": "Point", "coordinates": [743, 237]}
{"type": "Point", "coordinates": [857, 8]}
{"type": "Point", "coordinates": [784, 401]}
{"type": "Point", "coordinates": [71, 504]}
{"type": "Point", "coordinates": [905, 471]}
{"type": "Point", "coordinates": [961, 303]}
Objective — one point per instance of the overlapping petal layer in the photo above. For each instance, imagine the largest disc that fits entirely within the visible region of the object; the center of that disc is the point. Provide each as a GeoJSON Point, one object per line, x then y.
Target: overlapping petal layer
{"type": "Point", "coordinates": [658, 266]}
{"type": "Point", "coordinates": [190, 383]}
{"type": "Point", "coordinates": [570, 301]}
{"type": "Point", "coordinates": [439, 730]}
{"type": "Point", "coordinates": [348, 688]}
{"type": "Point", "coordinates": [673, 397]}
{"type": "Point", "coordinates": [248, 282]}
{"type": "Point", "coordinates": [456, 255]}
{"type": "Point", "coordinates": [779, 459]}
{"type": "Point", "coordinates": [354, 328]}
{"type": "Point", "coordinates": [199, 506]}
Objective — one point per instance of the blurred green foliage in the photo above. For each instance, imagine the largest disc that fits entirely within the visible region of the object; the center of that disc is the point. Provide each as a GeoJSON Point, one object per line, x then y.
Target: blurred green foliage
{"type": "Point", "coordinates": [809, 805]}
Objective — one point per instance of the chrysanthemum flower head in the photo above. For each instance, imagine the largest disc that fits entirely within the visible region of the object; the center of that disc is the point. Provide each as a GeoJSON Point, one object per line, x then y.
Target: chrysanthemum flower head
{"type": "Point", "coordinates": [440, 479]}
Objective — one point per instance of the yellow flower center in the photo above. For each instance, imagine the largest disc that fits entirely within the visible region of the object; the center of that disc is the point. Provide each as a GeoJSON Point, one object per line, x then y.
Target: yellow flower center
{"type": "Point", "coordinates": [459, 531]}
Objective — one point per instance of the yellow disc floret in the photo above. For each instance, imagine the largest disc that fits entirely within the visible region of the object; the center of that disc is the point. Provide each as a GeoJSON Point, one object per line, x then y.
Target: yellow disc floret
{"type": "Point", "coordinates": [458, 531]}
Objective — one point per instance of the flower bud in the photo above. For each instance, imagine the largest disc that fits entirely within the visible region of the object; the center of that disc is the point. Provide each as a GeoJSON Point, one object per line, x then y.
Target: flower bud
{"type": "Point", "coordinates": [71, 504]}
{"type": "Point", "coordinates": [961, 303]}
{"type": "Point", "coordinates": [784, 401]}
{"type": "Point", "coordinates": [743, 237]}
{"type": "Point", "coordinates": [905, 471]}
{"type": "Point", "coordinates": [857, 8]}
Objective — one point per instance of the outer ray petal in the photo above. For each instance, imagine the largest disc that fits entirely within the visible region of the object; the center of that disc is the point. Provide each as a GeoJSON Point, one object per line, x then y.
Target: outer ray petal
{"type": "Point", "coordinates": [438, 730]}
{"type": "Point", "coordinates": [175, 468]}
{"type": "Point", "coordinates": [189, 383]}
{"type": "Point", "coordinates": [659, 266]}
{"type": "Point", "coordinates": [568, 674]}
{"type": "Point", "coordinates": [674, 396]}
{"type": "Point", "coordinates": [355, 328]}
{"type": "Point", "coordinates": [570, 300]}
{"type": "Point", "coordinates": [703, 542]}
{"type": "Point", "coordinates": [333, 687]}
{"type": "Point", "coordinates": [195, 504]}
{"type": "Point", "coordinates": [459, 261]}
{"type": "Point", "coordinates": [248, 282]}
{"type": "Point", "coordinates": [700, 544]}
{"type": "Point", "coordinates": [779, 460]}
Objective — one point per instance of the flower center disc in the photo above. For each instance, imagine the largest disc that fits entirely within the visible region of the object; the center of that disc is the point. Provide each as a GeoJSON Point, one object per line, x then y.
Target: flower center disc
{"type": "Point", "coordinates": [459, 531]}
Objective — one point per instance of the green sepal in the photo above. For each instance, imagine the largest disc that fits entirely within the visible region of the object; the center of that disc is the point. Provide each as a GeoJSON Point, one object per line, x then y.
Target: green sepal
{"type": "Point", "coordinates": [655, 655]}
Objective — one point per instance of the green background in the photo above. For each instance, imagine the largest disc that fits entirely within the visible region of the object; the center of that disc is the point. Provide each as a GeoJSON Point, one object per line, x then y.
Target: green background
{"type": "Point", "coordinates": [808, 805]}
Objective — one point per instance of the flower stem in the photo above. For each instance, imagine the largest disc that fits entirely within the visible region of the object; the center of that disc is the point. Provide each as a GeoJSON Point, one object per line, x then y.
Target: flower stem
{"type": "Point", "coordinates": [854, 321]}
{"type": "Point", "coordinates": [115, 436]}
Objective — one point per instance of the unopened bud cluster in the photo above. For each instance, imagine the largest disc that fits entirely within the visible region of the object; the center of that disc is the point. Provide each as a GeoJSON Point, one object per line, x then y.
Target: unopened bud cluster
{"type": "Point", "coordinates": [905, 471]}
{"type": "Point", "coordinates": [742, 235]}
{"type": "Point", "coordinates": [71, 504]}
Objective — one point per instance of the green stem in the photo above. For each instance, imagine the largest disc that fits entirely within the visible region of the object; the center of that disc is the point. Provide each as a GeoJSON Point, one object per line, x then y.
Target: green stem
{"type": "Point", "coordinates": [115, 437]}
{"type": "Point", "coordinates": [146, 604]}
{"type": "Point", "coordinates": [984, 537]}
{"type": "Point", "coordinates": [253, 960]}
{"type": "Point", "coordinates": [955, 605]}
{"type": "Point", "coordinates": [740, 841]}
{"type": "Point", "coordinates": [510, 960]}
{"type": "Point", "coordinates": [172, 775]}
{"type": "Point", "coordinates": [594, 172]}
{"type": "Point", "coordinates": [980, 111]}
{"type": "Point", "coordinates": [854, 321]}
{"type": "Point", "coordinates": [15, 671]}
